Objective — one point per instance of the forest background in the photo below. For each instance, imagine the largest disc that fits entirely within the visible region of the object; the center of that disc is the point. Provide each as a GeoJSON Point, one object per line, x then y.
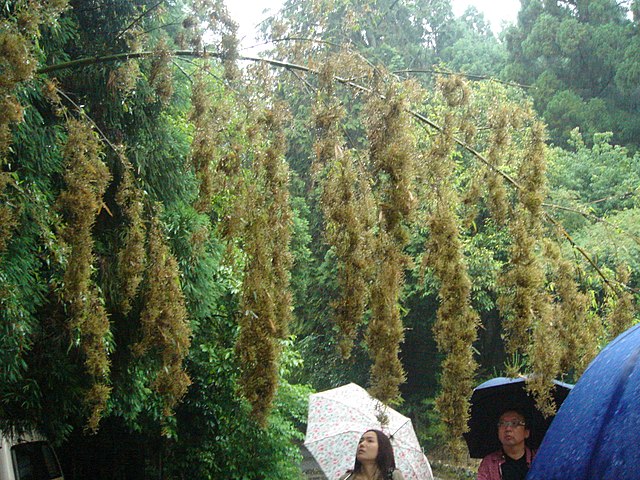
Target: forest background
{"type": "Point", "coordinates": [192, 241]}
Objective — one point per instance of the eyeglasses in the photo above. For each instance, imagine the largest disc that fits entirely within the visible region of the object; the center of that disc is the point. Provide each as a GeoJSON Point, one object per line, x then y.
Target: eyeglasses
{"type": "Point", "coordinates": [512, 424]}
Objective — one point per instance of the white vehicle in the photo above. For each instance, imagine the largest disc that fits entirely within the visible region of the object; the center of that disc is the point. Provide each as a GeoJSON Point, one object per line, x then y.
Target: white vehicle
{"type": "Point", "coordinates": [28, 457]}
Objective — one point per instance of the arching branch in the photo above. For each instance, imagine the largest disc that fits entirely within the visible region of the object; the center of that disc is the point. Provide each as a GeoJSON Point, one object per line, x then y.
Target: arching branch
{"type": "Point", "coordinates": [292, 66]}
{"type": "Point", "coordinates": [83, 62]}
{"type": "Point", "coordinates": [595, 218]}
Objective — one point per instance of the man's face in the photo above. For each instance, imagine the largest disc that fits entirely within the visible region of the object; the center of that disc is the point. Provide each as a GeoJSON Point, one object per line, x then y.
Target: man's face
{"type": "Point", "coordinates": [511, 429]}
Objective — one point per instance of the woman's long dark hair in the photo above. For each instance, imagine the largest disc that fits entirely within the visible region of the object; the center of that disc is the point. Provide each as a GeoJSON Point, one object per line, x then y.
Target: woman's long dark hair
{"type": "Point", "coordinates": [385, 460]}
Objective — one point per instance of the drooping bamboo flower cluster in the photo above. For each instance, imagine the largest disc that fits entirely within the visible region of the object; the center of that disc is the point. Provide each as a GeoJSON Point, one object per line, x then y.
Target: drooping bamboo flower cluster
{"type": "Point", "coordinates": [392, 156]}
{"type": "Point", "coordinates": [132, 254]}
{"type": "Point", "coordinates": [266, 304]}
{"type": "Point", "coordinates": [348, 211]}
{"type": "Point", "coordinates": [165, 330]}
{"type": "Point", "coordinates": [86, 180]}
{"type": "Point", "coordinates": [456, 321]}
{"type": "Point", "coordinates": [524, 302]}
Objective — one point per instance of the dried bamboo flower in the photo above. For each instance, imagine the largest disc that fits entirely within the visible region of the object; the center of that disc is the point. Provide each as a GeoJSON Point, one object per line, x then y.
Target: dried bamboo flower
{"type": "Point", "coordinates": [132, 254]}
{"type": "Point", "coordinates": [86, 179]}
{"type": "Point", "coordinates": [524, 281]}
{"type": "Point", "coordinates": [161, 77]}
{"type": "Point", "coordinates": [391, 155]}
{"type": "Point", "coordinates": [266, 297]}
{"type": "Point", "coordinates": [347, 212]}
{"type": "Point", "coordinates": [164, 321]}
{"type": "Point", "coordinates": [622, 315]}
{"type": "Point", "coordinates": [574, 326]}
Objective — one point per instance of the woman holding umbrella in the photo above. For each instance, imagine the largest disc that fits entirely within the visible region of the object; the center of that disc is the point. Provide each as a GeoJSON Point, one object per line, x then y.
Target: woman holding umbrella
{"type": "Point", "coordinates": [374, 459]}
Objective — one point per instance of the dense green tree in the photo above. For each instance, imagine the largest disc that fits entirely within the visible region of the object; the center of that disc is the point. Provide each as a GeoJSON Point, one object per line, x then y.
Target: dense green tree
{"type": "Point", "coordinates": [602, 177]}
{"type": "Point", "coordinates": [576, 56]}
{"type": "Point", "coordinates": [596, 189]}
{"type": "Point", "coordinates": [474, 50]}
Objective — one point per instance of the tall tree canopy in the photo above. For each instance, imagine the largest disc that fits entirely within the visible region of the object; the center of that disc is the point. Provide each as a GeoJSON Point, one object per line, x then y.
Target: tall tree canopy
{"type": "Point", "coordinates": [580, 57]}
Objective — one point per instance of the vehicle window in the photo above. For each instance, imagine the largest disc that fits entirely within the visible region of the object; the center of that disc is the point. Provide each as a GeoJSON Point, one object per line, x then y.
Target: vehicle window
{"type": "Point", "coordinates": [35, 461]}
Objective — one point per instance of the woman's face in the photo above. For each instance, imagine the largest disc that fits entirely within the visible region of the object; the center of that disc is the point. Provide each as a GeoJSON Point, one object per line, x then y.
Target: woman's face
{"type": "Point", "coordinates": [367, 448]}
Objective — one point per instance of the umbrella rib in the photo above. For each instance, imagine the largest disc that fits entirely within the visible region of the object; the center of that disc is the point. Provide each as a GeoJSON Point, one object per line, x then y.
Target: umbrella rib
{"type": "Point", "coordinates": [337, 434]}
{"type": "Point", "coordinates": [398, 429]}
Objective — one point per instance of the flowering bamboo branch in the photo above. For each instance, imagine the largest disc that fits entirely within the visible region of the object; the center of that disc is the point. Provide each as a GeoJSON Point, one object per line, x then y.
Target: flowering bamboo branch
{"type": "Point", "coordinates": [292, 66]}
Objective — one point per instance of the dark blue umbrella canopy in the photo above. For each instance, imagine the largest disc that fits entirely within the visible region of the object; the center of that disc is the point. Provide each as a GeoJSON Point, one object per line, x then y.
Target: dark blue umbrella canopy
{"type": "Point", "coordinates": [596, 433]}
{"type": "Point", "coordinates": [492, 398]}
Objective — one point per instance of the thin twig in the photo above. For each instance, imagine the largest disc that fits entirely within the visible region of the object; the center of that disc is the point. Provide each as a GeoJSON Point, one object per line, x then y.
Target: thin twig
{"type": "Point", "coordinates": [466, 75]}
{"type": "Point", "coordinates": [582, 252]}
{"type": "Point", "coordinates": [293, 39]}
{"type": "Point", "coordinates": [84, 114]}
{"type": "Point", "coordinates": [595, 218]}
{"type": "Point", "coordinates": [140, 17]}
{"type": "Point", "coordinates": [182, 70]}
{"type": "Point", "coordinates": [622, 196]}
{"type": "Point", "coordinates": [304, 81]}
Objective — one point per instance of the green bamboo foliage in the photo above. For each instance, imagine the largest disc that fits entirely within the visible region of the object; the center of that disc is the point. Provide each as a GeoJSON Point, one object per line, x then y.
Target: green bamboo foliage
{"type": "Point", "coordinates": [8, 220]}
{"type": "Point", "coordinates": [86, 179]}
{"type": "Point", "coordinates": [391, 154]}
{"type": "Point", "coordinates": [164, 322]}
{"type": "Point", "coordinates": [348, 210]}
{"type": "Point", "coordinates": [266, 297]}
{"type": "Point", "coordinates": [132, 254]}
{"type": "Point", "coordinates": [18, 40]}
{"type": "Point", "coordinates": [456, 324]}
{"type": "Point", "coordinates": [524, 281]}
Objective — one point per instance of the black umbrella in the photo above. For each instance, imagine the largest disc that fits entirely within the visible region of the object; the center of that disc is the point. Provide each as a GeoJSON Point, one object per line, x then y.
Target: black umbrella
{"type": "Point", "coordinates": [492, 398]}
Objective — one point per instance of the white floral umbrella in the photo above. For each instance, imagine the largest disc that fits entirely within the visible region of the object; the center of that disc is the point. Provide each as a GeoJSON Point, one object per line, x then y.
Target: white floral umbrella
{"type": "Point", "coordinates": [338, 418]}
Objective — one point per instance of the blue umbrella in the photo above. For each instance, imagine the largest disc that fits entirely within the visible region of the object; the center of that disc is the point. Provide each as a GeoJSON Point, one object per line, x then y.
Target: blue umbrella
{"type": "Point", "coordinates": [596, 433]}
{"type": "Point", "coordinates": [492, 398]}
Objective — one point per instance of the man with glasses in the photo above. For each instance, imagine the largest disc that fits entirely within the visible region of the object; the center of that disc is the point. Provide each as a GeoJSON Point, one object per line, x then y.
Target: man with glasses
{"type": "Point", "coordinates": [512, 461]}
